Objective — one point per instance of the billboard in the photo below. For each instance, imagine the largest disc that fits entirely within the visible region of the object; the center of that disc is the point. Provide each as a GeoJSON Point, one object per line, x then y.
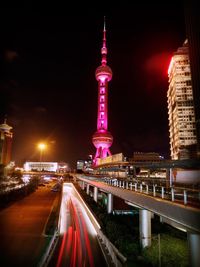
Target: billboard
{"type": "Point", "coordinates": [111, 159]}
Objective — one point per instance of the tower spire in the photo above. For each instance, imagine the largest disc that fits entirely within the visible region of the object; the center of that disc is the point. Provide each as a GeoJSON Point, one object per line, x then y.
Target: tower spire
{"type": "Point", "coordinates": [5, 119]}
{"type": "Point", "coordinates": [104, 48]}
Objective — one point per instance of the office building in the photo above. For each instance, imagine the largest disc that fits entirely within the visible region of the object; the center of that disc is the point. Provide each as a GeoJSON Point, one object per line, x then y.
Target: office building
{"type": "Point", "coordinates": [181, 115]}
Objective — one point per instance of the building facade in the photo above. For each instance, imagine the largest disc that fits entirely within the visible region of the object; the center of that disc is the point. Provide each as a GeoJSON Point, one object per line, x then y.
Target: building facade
{"type": "Point", "coordinates": [181, 115]}
{"type": "Point", "coordinates": [41, 166]}
{"type": "Point", "coordinates": [146, 157]}
{"type": "Point", "coordinates": [6, 136]}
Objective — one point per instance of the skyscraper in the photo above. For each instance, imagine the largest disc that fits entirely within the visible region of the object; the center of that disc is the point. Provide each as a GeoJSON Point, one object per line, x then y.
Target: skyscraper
{"type": "Point", "coordinates": [5, 143]}
{"type": "Point", "coordinates": [192, 22]}
{"type": "Point", "coordinates": [102, 139]}
{"type": "Point", "coordinates": [181, 115]}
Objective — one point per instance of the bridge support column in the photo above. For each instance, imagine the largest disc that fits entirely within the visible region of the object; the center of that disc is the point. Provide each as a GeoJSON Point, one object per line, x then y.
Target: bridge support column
{"type": "Point", "coordinates": [154, 190]}
{"type": "Point", "coordinates": [88, 189]}
{"type": "Point", "coordinates": [170, 177]}
{"type": "Point", "coordinates": [110, 203]}
{"type": "Point", "coordinates": [145, 228]}
{"type": "Point", "coordinates": [126, 185]}
{"type": "Point", "coordinates": [168, 180]}
{"type": "Point", "coordinates": [131, 185]}
{"type": "Point", "coordinates": [135, 186]}
{"type": "Point", "coordinates": [83, 185]}
{"type": "Point", "coordinates": [74, 178]}
{"type": "Point", "coordinates": [95, 194]}
{"type": "Point", "coordinates": [194, 248]}
{"type": "Point", "coordinates": [147, 189]}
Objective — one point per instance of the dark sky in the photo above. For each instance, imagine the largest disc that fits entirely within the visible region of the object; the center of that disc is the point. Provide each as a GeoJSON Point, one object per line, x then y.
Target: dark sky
{"type": "Point", "coordinates": [48, 59]}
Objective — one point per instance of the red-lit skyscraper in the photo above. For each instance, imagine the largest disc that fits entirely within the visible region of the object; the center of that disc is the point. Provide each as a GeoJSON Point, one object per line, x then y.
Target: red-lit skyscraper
{"type": "Point", "coordinates": [5, 143]}
{"type": "Point", "coordinates": [102, 139]}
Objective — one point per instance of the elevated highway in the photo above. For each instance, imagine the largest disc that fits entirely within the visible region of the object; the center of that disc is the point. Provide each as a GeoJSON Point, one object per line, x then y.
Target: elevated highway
{"type": "Point", "coordinates": [178, 215]}
{"type": "Point", "coordinates": [187, 217]}
{"type": "Point", "coordinates": [188, 164]}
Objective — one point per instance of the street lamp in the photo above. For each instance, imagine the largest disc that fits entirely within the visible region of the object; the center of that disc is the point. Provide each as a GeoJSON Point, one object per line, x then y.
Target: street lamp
{"type": "Point", "coordinates": [41, 147]}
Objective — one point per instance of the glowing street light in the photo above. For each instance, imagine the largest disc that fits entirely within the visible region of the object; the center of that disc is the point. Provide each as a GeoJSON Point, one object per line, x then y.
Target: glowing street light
{"type": "Point", "coordinates": [41, 147]}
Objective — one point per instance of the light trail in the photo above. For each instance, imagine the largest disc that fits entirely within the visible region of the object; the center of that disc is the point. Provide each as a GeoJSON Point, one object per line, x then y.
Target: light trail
{"type": "Point", "coordinates": [61, 250]}
{"type": "Point", "coordinates": [78, 236]}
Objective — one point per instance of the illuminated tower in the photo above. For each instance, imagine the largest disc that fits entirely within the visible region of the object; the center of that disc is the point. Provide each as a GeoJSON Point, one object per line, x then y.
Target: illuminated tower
{"type": "Point", "coordinates": [5, 143]}
{"type": "Point", "coordinates": [183, 138]}
{"type": "Point", "coordinates": [102, 139]}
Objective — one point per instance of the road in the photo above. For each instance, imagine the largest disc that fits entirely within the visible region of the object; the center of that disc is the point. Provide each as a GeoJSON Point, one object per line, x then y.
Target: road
{"type": "Point", "coordinates": [187, 217]}
{"type": "Point", "coordinates": [78, 244]}
{"type": "Point", "coordinates": [21, 228]}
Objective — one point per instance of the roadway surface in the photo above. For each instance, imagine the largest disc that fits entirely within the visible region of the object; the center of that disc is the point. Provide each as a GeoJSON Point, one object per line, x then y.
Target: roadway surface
{"type": "Point", "coordinates": [21, 229]}
{"type": "Point", "coordinates": [78, 245]}
{"type": "Point", "coordinates": [187, 217]}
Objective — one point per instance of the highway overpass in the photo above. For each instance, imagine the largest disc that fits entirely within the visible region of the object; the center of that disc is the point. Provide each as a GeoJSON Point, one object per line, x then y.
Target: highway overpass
{"type": "Point", "coordinates": [178, 215]}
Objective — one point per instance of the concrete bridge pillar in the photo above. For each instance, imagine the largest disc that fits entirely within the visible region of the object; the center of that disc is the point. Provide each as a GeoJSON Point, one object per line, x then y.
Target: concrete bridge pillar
{"type": "Point", "coordinates": [110, 203]}
{"type": "Point", "coordinates": [145, 228]}
{"type": "Point", "coordinates": [83, 185]}
{"type": "Point", "coordinates": [95, 196]}
{"type": "Point", "coordinates": [74, 178]}
{"type": "Point", "coordinates": [88, 189]}
{"type": "Point", "coordinates": [194, 249]}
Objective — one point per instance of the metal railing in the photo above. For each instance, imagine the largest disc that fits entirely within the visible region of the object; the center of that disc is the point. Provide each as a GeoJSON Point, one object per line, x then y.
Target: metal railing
{"type": "Point", "coordinates": [117, 258]}
{"type": "Point", "coordinates": [49, 250]}
{"type": "Point", "coordinates": [182, 195]}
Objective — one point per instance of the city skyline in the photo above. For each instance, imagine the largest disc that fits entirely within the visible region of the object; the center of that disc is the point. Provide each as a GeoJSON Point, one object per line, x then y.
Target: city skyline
{"type": "Point", "coordinates": [48, 78]}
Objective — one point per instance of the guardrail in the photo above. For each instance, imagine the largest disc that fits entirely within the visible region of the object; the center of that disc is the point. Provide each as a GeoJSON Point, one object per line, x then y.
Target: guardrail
{"type": "Point", "coordinates": [118, 259]}
{"type": "Point", "coordinates": [185, 196]}
{"type": "Point", "coordinates": [49, 251]}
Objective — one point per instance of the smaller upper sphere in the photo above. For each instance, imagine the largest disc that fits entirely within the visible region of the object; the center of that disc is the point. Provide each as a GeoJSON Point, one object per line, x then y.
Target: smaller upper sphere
{"type": "Point", "coordinates": [103, 72]}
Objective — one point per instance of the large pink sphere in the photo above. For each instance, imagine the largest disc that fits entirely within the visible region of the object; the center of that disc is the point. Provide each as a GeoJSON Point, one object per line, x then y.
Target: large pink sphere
{"type": "Point", "coordinates": [102, 139]}
{"type": "Point", "coordinates": [103, 72]}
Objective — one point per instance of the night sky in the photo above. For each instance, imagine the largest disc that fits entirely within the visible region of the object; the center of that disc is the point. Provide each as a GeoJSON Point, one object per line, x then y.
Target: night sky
{"type": "Point", "coordinates": [48, 59]}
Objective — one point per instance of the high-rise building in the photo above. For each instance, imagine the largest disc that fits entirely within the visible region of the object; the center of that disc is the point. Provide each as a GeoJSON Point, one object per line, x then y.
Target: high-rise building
{"type": "Point", "coordinates": [192, 22]}
{"type": "Point", "coordinates": [181, 115]}
{"type": "Point", "coordinates": [102, 139]}
{"type": "Point", "coordinates": [5, 143]}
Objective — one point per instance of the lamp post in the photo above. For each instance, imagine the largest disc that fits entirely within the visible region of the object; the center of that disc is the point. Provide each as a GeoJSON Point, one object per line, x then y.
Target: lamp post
{"type": "Point", "coordinates": [41, 147]}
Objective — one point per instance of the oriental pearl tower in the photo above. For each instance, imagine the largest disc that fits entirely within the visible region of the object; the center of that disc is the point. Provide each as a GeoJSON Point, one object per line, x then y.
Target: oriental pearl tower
{"type": "Point", "coordinates": [102, 139]}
